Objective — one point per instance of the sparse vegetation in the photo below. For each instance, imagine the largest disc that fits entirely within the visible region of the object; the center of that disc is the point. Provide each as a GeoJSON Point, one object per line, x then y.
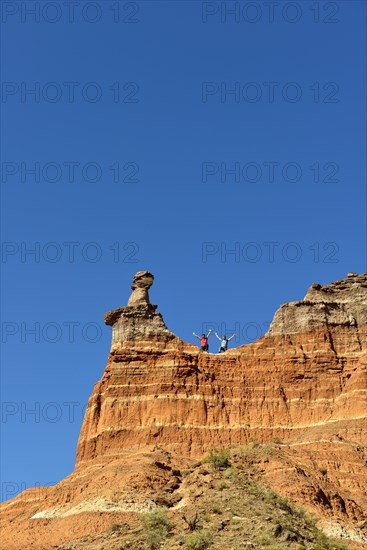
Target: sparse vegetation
{"type": "Point", "coordinates": [156, 528]}
{"type": "Point", "coordinates": [200, 540]}
{"type": "Point", "coordinates": [206, 517]}
{"type": "Point", "coordinates": [227, 505]}
{"type": "Point", "coordinates": [219, 459]}
{"type": "Point", "coordinates": [192, 522]}
{"type": "Point", "coordinates": [230, 472]}
{"type": "Point", "coordinates": [324, 543]}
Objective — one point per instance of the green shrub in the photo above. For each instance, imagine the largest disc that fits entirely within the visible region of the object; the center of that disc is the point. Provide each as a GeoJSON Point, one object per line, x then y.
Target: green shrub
{"type": "Point", "coordinates": [230, 472]}
{"type": "Point", "coordinates": [218, 459]}
{"type": "Point", "coordinates": [156, 528]}
{"type": "Point", "coordinates": [334, 545]}
{"type": "Point", "coordinates": [206, 517]}
{"type": "Point", "coordinates": [199, 540]}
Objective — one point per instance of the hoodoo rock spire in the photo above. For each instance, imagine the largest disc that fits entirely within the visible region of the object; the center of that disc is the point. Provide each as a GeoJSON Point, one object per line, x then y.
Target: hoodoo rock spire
{"type": "Point", "coordinates": [138, 320]}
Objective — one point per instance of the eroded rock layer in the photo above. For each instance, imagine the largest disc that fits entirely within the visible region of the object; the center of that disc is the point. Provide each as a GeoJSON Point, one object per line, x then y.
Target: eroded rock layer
{"type": "Point", "coordinates": [162, 403]}
{"type": "Point", "coordinates": [307, 375]}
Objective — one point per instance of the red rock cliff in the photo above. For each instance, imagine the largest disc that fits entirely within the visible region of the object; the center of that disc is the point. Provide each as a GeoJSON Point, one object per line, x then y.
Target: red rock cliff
{"type": "Point", "coordinates": [162, 402]}
{"type": "Point", "coordinates": [307, 375]}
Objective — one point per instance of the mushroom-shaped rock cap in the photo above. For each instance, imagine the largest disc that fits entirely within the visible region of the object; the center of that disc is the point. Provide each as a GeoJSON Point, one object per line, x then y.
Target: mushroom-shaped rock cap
{"type": "Point", "coordinates": [142, 281]}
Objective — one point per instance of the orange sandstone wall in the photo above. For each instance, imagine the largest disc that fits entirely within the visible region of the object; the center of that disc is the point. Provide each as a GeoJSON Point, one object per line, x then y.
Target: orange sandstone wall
{"type": "Point", "coordinates": [308, 375]}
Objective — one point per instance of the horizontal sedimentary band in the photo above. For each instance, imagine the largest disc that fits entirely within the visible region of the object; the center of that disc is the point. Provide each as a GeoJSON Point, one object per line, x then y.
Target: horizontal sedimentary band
{"type": "Point", "coordinates": [223, 427]}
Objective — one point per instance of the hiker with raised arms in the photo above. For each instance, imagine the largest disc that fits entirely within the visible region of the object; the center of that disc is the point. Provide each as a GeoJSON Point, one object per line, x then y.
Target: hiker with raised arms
{"type": "Point", "coordinates": [224, 342]}
{"type": "Point", "coordinates": [204, 340]}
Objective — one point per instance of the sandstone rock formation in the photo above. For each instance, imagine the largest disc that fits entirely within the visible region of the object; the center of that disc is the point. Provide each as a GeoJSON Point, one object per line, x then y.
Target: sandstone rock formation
{"type": "Point", "coordinates": [142, 282]}
{"type": "Point", "coordinates": [340, 304]}
{"type": "Point", "coordinates": [311, 364]}
{"type": "Point", "coordinates": [138, 321]}
{"type": "Point", "coordinates": [303, 384]}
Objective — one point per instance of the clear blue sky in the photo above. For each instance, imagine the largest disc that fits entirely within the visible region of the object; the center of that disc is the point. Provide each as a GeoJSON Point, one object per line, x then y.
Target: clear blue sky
{"type": "Point", "coordinates": [163, 137]}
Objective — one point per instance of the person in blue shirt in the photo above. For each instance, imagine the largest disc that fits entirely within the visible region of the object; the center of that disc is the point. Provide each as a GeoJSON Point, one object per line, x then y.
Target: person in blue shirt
{"type": "Point", "coordinates": [224, 342]}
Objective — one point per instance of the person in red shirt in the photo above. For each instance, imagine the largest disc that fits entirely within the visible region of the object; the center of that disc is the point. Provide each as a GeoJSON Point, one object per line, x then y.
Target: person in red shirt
{"type": "Point", "coordinates": [204, 338]}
